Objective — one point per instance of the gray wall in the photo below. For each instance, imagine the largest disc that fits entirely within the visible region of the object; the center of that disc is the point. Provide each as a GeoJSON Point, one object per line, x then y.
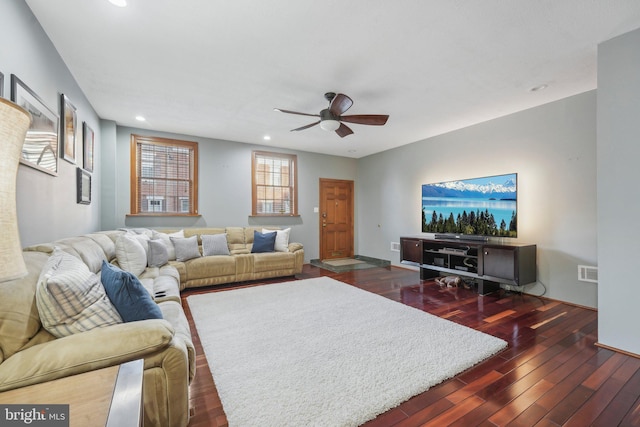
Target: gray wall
{"type": "Point", "coordinates": [618, 177]}
{"type": "Point", "coordinates": [553, 150]}
{"type": "Point", "coordinates": [47, 208]}
{"type": "Point", "coordinates": [224, 186]}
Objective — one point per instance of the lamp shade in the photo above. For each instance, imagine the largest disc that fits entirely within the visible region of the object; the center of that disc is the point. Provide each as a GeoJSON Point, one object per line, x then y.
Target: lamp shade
{"type": "Point", "coordinates": [329, 125]}
{"type": "Point", "coordinates": [14, 123]}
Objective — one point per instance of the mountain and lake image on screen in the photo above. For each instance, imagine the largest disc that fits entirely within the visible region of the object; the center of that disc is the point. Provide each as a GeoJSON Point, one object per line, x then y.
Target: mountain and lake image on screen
{"type": "Point", "coordinates": [474, 207]}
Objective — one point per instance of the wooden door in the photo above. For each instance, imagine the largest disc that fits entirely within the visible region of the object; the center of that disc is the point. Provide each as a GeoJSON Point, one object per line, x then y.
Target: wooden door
{"type": "Point", "coordinates": [336, 219]}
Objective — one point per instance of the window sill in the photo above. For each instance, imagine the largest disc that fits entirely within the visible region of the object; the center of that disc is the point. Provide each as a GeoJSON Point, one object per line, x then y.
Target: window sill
{"type": "Point", "coordinates": [274, 215]}
{"type": "Point", "coordinates": [162, 214]}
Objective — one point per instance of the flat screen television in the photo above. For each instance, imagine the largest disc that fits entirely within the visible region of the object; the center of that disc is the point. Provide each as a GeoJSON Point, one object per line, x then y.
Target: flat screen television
{"type": "Point", "coordinates": [471, 208]}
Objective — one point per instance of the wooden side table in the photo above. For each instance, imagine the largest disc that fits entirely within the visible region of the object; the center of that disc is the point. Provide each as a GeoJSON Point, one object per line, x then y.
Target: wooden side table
{"type": "Point", "coordinates": [110, 397]}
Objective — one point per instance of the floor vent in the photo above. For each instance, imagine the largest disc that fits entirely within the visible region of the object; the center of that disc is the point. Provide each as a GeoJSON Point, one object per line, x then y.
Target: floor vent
{"type": "Point", "coordinates": [395, 247]}
{"type": "Point", "coordinates": [588, 273]}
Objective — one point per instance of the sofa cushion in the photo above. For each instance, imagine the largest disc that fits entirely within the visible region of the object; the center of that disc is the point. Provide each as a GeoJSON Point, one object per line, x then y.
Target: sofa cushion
{"type": "Point", "coordinates": [105, 242]}
{"type": "Point", "coordinates": [213, 266]}
{"type": "Point", "coordinates": [263, 242]}
{"type": "Point", "coordinates": [127, 294]}
{"type": "Point", "coordinates": [282, 239]}
{"type": "Point", "coordinates": [236, 240]}
{"type": "Point", "coordinates": [90, 252]}
{"type": "Point", "coordinates": [131, 255]}
{"type": "Point", "coordinates": [199, 231]}
{"type": "Point", "coordinates": [214, 244]}
{"type": "Point", "coordinates": [186, 248]}
{"type": "Point", "coordinates": [158, 255]}
{"type": "Point", "coordinates": [70, 298]}
{"type": "Point", "coordinates": [274, 261]}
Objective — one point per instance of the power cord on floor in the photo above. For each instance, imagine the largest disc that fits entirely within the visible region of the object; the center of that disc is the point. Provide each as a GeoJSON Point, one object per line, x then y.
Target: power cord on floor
{"type": "Point", "coordinates": [522, 288]}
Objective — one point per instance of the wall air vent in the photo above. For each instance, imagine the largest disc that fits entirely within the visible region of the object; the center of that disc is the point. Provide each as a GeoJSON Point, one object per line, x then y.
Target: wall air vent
{"type": "Point", "coordinates": [588, 273]}
{"type": "Point", "coordinates": [395, 247]}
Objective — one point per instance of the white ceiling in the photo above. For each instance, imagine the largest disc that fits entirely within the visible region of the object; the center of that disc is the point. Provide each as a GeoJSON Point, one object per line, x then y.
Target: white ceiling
{"type": "Point", "coordinates": [217, 69]}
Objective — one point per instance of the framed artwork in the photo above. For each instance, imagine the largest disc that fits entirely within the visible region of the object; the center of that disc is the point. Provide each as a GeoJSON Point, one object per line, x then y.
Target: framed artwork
{"type": "Point", "coordinates": [84, 186]}
{"type": "Point", "coordinates": [40, 148]}
{"type": "Point", "coordinates": [68, 130]}
{"type": "Point", "coordinates": [87, 147]}
{"type": "Point", "coordinates": [1, 85]}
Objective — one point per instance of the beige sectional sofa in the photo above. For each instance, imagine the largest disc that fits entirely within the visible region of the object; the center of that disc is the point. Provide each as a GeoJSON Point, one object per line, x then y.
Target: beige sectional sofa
{"type": "Point", "coordinates": [241, 265]}
{"type": "Point", "coordinates": [30, 354]}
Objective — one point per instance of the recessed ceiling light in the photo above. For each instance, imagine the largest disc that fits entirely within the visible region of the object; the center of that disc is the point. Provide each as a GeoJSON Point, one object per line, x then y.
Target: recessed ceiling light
{"type": "Point", "coordinates": [140, 118]}
{"type": "Point", "coordinates": [266, 138]}
{"type": "Point", "coordinates": [538, 88]}
{"type": "Point", "coordinates": [119, 3]}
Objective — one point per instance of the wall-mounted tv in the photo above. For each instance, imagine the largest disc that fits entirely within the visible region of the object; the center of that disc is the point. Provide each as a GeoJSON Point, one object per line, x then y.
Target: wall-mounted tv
{"type": "Point", "coordinates": [479, 207]}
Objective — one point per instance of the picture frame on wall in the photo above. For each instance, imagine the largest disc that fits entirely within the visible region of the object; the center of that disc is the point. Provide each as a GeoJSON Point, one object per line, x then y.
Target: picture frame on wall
{"type": "Point", "coordinates": [40, 148]}
{"type": "Point", "coordinates": [83, 186]}
{"type": "Point", "coordinates": [87, 147]}
{"type": "Point", "coordinates": [68, 130]}
{"type": "Point", "coordinates": [1, 85]}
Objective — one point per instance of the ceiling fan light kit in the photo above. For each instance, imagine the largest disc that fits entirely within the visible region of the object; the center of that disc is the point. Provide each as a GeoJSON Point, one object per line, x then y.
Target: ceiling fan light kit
{"type": "Point", "coordinates": [329, 125]}
{"type": "Point", "coordinates": [331, 118]}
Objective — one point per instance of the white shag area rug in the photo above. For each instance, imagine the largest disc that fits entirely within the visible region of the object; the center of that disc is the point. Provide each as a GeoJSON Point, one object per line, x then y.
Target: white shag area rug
{"type": "Point", "coordinates": [319, 352]}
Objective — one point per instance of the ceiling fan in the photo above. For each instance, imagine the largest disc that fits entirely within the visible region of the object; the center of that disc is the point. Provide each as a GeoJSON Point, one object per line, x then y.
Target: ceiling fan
{"type": "Point", "coordinates": [331, 118]}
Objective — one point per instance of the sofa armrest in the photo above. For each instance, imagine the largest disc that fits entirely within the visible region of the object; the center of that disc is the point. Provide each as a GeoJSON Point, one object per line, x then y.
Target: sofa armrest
{"type": "Point", "coordinates": [293, 247]}
{"type": "Point", "coordinates": [86, 351]}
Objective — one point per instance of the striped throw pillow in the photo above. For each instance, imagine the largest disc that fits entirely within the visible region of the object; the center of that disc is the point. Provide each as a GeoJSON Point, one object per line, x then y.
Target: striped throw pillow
{"type": "Point", "coordinates": [70, 298]}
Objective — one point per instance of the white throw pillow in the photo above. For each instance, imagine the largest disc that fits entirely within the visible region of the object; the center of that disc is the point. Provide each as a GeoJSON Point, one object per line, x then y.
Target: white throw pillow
{"type": "Point", "coordinates": [282, 239]}
{"type": "Point", "coordinates": [143, 239]}
{"type": "Point", "coordinates": [131, 255]}
{"type": "Point", "coordinates": [166, 239]}
{"type": "Point", "coordinates": [70, 298]}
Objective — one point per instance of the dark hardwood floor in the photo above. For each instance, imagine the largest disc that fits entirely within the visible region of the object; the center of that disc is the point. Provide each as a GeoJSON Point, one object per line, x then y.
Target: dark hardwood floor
{"type": "Point", "coordinates": [552, 374]}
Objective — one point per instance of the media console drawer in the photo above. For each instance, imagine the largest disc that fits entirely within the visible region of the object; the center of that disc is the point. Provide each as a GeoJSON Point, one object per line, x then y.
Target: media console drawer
{"type": "Point", "coordinates": [411, 251]}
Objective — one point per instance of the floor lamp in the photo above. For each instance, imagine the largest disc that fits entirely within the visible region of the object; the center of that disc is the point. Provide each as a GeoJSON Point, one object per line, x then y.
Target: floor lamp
{"type": "Point", "coordinates": [14, 123]}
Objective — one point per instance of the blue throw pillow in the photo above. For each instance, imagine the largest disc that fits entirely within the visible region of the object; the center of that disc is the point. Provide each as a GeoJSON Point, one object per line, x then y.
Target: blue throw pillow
{"type": "Point", "coordinates": [127, 294]}
{"type": "Point", "coordinates": [263, 242]}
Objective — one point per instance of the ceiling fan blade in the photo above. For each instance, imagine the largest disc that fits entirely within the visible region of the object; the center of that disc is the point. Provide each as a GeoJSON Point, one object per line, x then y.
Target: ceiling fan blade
{"type": "Point", "coordinates": [295, 112]}
{"type": "Point", "coordinates": [343, 130]}
{"type": "Point", "coordinates": [305, 127]}
{"type": "Point", "coordinates": [366, 119]}
{"type": "Point", "coordinates": [340, 104]}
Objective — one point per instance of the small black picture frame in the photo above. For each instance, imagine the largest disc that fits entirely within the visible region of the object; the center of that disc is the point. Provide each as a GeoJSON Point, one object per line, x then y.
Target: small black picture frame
{"type": "Point", "coordinates": [83, 186]}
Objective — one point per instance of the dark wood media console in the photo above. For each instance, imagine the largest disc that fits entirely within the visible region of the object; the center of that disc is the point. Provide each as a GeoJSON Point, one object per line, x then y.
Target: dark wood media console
{"type": "Point", "coordinates": [488, 263]}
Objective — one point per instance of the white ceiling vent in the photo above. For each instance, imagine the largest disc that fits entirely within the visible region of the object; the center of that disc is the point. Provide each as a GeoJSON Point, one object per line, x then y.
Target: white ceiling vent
{"type": "Point", "coordinates": [588, 273]}
{"type": "Point", "coordinates": [395, 247]}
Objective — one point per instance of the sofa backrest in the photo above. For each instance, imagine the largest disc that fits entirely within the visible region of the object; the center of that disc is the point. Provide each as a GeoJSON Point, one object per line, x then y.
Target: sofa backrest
{"type": "Point", "coordinates": [188, 232]}
{"type": "Point", "coordinates": [239, 239]}
{"type": "Point", "coordinates": [92, 248]}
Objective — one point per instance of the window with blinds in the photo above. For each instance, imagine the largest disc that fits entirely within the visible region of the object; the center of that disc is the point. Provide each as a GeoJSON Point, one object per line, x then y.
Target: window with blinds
{"type": "Point", "coordinates": [274, 184]}
{"type": "Point", "coordinates": [163, 176]}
